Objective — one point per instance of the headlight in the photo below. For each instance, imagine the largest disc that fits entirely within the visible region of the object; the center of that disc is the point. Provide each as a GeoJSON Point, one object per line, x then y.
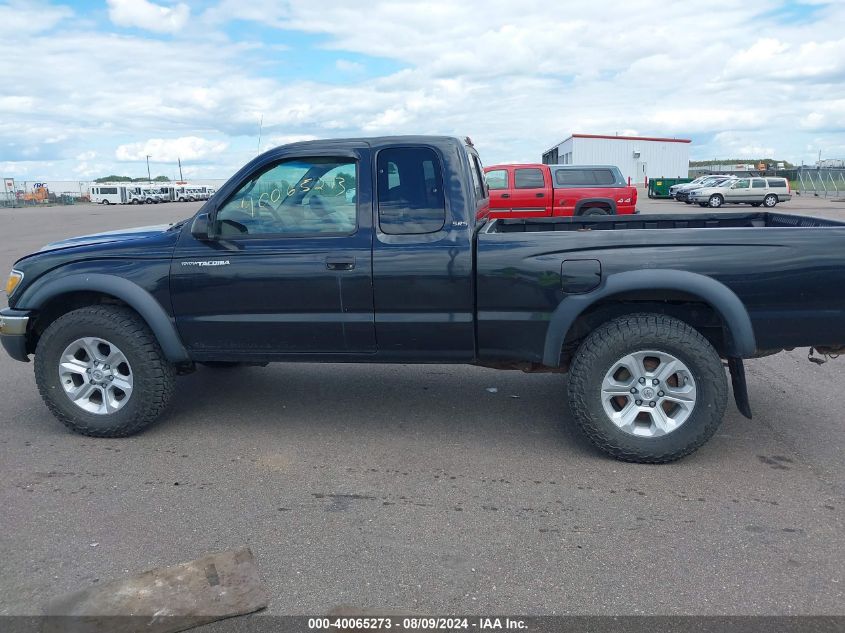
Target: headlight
{"type": "Point", "coordinates": [15, 278]}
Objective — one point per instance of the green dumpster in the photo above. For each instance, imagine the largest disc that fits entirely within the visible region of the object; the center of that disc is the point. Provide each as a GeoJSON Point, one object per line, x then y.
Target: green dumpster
{"type": "Point", "coordinates": [659, 187]}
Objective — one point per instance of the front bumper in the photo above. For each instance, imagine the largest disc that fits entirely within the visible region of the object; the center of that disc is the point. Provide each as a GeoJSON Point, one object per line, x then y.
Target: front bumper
{"type": "Point", "coordinates": [13, 324]}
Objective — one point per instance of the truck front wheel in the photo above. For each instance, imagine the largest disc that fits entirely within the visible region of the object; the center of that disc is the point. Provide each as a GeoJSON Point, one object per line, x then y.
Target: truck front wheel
{"type": "Point", "coordinates": [647, 388]}
{"type": "Point", "coordinates": [102, 373]}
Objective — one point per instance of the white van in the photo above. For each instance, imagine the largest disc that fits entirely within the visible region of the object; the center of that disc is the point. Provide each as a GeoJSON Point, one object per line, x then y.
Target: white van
{"type": "Point", "coordinates": [109, 194]}
{"type": "Point", "coordinates": [144, 195]}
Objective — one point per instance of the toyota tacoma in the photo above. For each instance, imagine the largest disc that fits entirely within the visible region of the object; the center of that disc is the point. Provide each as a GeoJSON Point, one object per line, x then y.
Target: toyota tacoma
{"type": "Point", "coordinates": [382, 250]}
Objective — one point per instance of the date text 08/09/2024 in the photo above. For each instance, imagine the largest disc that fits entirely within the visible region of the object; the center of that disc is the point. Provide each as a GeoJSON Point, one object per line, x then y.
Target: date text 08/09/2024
{"type": "Point", "coordinates": [417, 623]}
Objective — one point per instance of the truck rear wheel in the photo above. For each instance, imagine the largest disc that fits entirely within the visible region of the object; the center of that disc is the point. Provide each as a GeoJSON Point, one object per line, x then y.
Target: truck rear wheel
{"type": "Point", "coordinates": [647, 388]}
{"type": "Point", "coordinates": [102, 373]}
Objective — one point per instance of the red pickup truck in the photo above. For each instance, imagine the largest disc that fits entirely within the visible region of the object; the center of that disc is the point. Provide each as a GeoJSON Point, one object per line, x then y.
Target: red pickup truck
{"type": "Point", "coordinates": [535, 190]}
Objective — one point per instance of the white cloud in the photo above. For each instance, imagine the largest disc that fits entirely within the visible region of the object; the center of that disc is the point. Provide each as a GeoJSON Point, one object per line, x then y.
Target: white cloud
{"type": "Point", "coordinates": [147, 15]}
{"type": "Point", "coordinates": [348, 66]}
{"type": "Point", "coordinates": [710, 69]}
{"type": "Point", "coordinates": [284, 139]}
{"type": "Point", "coordinates": [187, 148]}
{"type": "Point", "coordinates": [27, 18]}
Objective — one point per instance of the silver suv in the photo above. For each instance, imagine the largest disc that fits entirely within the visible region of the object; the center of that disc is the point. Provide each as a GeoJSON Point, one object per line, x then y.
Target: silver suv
{"type": "Point", "coordinates": [753, 191]}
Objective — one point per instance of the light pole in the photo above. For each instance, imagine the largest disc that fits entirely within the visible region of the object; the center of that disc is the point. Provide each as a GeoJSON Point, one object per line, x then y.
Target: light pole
{"type": "Point", "coordinates": [149, 177]}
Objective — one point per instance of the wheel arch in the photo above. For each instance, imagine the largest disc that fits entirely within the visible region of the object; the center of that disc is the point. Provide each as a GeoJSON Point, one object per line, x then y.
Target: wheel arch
{"type": "Point", "coordinates": [58, 296]}
{"type": "Point", "coordinates": [602, 203]}
{"type": "Point", "coordinates": [652, 286]}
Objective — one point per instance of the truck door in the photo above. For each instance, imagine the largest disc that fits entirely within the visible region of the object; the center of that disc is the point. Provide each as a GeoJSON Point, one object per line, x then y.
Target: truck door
{"type": "Point", "coordinates": [500, 182]}
{"type": "Point", "coordinates": [422, 254]}
{"type": "Point", "coordinates": [531, 194]}
{"type": "Point", "coordinates": [291, 269]}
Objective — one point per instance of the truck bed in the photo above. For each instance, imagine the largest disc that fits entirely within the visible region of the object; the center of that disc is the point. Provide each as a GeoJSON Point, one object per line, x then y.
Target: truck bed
{"type": "Point", "coordinates": [787, 271]}
{"type": "Point", "coordinates": [669, 221]}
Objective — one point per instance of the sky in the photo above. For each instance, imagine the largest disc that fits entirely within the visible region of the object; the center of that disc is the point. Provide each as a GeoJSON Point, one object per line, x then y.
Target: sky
{"type": "Point", "coordinates": [90, 88]}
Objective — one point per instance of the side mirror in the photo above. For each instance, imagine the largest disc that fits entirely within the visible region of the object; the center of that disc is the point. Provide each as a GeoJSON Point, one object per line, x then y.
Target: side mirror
{"type": "Point", "coordinates": [201, 228]}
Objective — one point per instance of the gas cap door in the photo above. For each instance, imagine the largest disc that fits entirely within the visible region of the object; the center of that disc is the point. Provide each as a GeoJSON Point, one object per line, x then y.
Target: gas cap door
{"type": "Point", "coordinates": [580, 275]}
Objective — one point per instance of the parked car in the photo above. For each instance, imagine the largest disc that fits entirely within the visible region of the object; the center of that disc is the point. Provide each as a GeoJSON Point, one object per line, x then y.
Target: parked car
{"type": "Point", "coordinates": [639, 310]}
{"type": "Point", "coordinates": [675, 190]}
{"type": "Point", "coordinates": [535, 190]}
{"type": "Point", "coordinates": [716, 181]}
{"type": "Point", "coordinates": [753, 191]}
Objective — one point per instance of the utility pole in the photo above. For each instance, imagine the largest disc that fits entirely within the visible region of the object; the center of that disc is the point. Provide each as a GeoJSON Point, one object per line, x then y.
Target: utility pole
{"type": "Point", "coordinates": [180, 168]}
{"type": "Point", "coordinates": [149, 177]}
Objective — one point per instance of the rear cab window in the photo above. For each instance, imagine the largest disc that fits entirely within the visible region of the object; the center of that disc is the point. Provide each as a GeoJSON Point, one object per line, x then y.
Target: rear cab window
{"type": "Point", "coordinates": [410, 191]}
{"type": "Point", "coordinates": [528, 178]}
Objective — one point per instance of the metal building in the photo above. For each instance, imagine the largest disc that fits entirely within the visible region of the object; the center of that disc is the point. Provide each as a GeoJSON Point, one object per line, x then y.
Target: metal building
{"type": "Point", "coordinates": [638, 157]}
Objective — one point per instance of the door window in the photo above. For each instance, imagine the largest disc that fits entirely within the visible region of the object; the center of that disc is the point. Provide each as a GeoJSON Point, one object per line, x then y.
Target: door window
{"type": "Point", "coordinates": [410, 191]}
{"type": "Point", "coordinates": [758, 183]}
{"type": "Point", "coordinates": [302, 196]}
{"type": "Point", "coordinates": [740, 184]}
{"type": "Point", "coordinates": [528, 179]}
{"type": "Point", "coordinates": [497, 179]}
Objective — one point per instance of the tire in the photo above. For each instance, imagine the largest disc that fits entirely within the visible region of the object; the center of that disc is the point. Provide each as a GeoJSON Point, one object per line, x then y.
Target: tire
{"type": "Point", "coordinates": [151, 377]}
{"type": "Point", "coordinates": [770, 200]}
{"type": "Point", "coordinates": [607, 347]}
{"type": "Point", "coordinates": [716, 201]}
{"type": "Point", "coordinates": [105, 202]}
{"type": "Point", "coordinates": [595, 211]}
{"type": "Point", "coordinates": [687, 201]}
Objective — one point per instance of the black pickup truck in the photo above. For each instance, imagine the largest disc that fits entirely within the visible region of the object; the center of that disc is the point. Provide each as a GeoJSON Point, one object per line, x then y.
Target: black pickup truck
{"type": "Point", "coordinates": [380, 250]}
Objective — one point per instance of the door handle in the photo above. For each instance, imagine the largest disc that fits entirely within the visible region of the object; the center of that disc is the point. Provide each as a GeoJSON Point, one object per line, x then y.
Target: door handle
{"type": "Point", "coordinates": [539, 195]}
{"type": "Point", "coordinates": [506, 195]}
{"type": "Point", "coordinates": [340, 263]}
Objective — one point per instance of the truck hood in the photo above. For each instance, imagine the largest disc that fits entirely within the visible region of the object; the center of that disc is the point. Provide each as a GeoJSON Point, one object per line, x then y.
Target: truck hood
{"type": "Point", "coordinates": [122, 235]}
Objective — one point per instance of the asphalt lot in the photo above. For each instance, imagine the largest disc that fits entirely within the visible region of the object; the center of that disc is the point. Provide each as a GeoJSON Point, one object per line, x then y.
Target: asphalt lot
{"type": "Point", "coordinates": [415, 488]}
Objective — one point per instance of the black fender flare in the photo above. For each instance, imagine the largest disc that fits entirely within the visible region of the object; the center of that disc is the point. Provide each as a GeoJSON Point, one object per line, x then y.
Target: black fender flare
{"type": "Point", "coordinates": [162, 325]}
{"type": "Point", "coordinates": [583, 202]}
{"type": "Point", "coordinates": [740, 343]}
